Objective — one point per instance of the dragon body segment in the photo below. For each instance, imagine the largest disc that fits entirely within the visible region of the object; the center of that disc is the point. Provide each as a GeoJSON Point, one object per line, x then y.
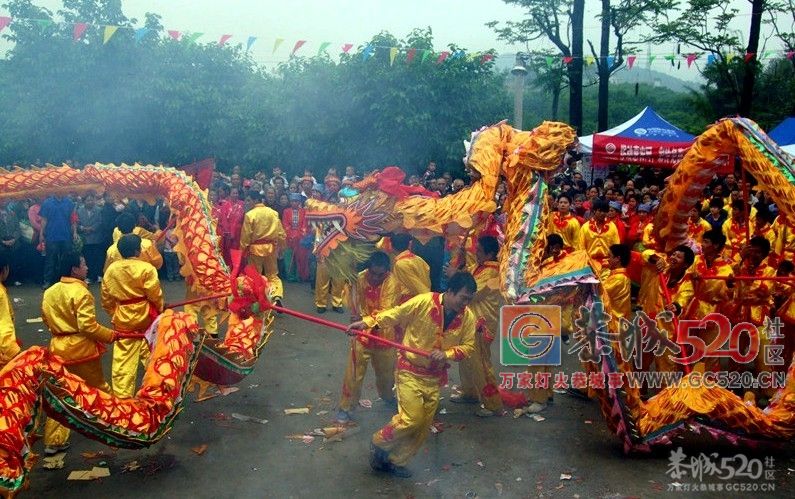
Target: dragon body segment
{"type": "Point", "coordinates": [36, 383]}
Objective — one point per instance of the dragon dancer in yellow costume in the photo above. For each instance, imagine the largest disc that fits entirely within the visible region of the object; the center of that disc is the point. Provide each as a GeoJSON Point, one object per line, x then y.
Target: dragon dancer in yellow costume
{"type": "Point", "coordinates": [9, 347]}
{"type": "Point", "coordinates": [131, 295]}
{"type": "Point", "coordinates": [411, 271]}
{"type": "Point", "coordinates": [261, 239]}
{"type": "Point", "coordinates": [374, 291]}
{"type": "Point", "coordinates": [478, 382]}
{"type": "Point", "coordinates": [442, 325]}
{"type": "Point", "coordinates": [125, 224]}
{"type": "Point", "coordinates": [69, 312]}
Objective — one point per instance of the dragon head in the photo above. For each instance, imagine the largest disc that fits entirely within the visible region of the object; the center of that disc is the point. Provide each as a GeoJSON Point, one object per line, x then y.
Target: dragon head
{"type": "Point", "coordinates": [364, 218]}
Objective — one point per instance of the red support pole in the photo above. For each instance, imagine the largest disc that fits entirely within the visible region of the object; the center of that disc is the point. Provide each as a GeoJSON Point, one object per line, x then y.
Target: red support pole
{"type": "Point", "coordinates": [342, 327]}
{"type": "Point", "coordinates": [197, 300]}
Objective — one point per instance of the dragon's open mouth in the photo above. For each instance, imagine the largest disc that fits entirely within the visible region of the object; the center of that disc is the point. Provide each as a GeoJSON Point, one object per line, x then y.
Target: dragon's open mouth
{"type": "Point", "coordinates": [329, 231]}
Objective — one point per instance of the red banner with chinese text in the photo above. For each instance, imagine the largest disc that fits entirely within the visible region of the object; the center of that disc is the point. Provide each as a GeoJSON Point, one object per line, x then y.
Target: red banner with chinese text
{"type": "Point", "coordinates": [610, 150]}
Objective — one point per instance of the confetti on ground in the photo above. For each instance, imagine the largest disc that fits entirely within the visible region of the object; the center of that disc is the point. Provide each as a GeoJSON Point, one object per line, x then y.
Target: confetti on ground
{"type": "Point", "coordinates": [538, 417]}
{"type": "Point", "coordinates": [565, 476]}
{"type": "Point", "coordinates": [91, 474]}
{"type": "Point", "coordinates": [200, 449]}
{"type": "Point", "coordinates": [297, 410]}
{"type": "Point", "coordinates": [367, 404]}
{"type": "Point", "coordinates": [131, 466]}
{"type": "Point", "coordinates": [34, 320]}
{"type": "Point", "coordinates": [243, 417]}
{"type": "Point", "coordinates": [54, 462]}
{"type": "Point", "coordinates": [226, 390]}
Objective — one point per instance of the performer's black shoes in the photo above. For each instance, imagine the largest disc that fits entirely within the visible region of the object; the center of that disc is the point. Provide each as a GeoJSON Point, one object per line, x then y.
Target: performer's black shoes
{"type": "Point", "coordinates": [399, 471]}
{"type": "Point", "coordinates": [339, 310]}
{"type": "Point", "coordinates": [378, 458]}
{"type": "Point", "coordinates": [321, 310]}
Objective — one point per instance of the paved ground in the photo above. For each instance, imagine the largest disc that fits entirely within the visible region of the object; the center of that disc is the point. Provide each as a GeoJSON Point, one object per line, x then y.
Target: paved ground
{"type": "Point", "coordinates": [302, 367]}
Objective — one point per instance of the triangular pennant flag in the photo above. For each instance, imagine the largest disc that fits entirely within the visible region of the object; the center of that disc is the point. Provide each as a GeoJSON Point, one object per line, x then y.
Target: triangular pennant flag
{"type": "Point", "coordinates": [730, 57]}
{"type": "Point", "coordinates": [749, 56]}
{"type": "Point", "coordinates": [425, 54]}
{"type": "Point", "coordinates": [567, 60]}
{"type": "Point", "coordinates": [193, 37]}
{"type": "Point", "coordinates": [392, 54]}
{"type": "Point", "coordinates": [367, 52]}
{"type": "Point", "coordinates": [767, 54]}
{"type": "Point", "coordinates": [174, 34]}
{"type": "Point", "coordinates": [630, 61]}
{"type": "Point", "coordinates": [710, 59]}
{"type": "Point", "coordinates": [298, 45]}
{"type": "Point", "coordinates": [670, 57]}
{"type": "Point", "coordinates": [549, 60]}
{"type": "Point", "coordinates": [223, 40]}
{"type": "Point", "coordinates": [276, 43]}
{"type": "Point", "coordinates": [43, 23]}
{"type": "Point", "coordinates": [78, 31]}
{"type": "Point", "coordinates": [323, 47]}
{"type": "Point", "coordinates": [250, 42]}
{"type": "Point", "coordinates": [589, 60]}
{"type": "Point", "coordinates": [457, 54]}
{"type": "Point", "coordinates": [790, 54]}
{"type": "Point", "coordinates": [486, 58]}
{"type": "Point", "coordinates": [442, 57]}
{"type": "Point", "coordinates": [4, 22]}
{"type": "Point", "coordinates": [140, 33]}
{"type": "Point", "coordinates": [347, 47]}
{"type": "Point", "coordinates": [610, 60]}
{"type": "Point", "coordinates": [691, 58]}
{"type": "Point", "coordinates": [109, 32]}
{"type": "Point", "coordinates": [410, 55]}
{"type": "Point", "coordinates": [651, 59]}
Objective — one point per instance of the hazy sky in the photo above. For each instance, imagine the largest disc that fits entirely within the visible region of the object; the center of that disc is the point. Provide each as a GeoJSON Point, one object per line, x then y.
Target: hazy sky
{"type": "Point", "coordinates": [344, 21]}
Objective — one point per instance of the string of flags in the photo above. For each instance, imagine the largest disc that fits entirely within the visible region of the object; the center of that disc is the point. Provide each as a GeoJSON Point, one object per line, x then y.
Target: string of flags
{"type": "Point", "coordinates": [674, 59]}
{"type": "Point", "coordinates": [369, 50]}
{"type": "Point", "coordinates": [411, 54]}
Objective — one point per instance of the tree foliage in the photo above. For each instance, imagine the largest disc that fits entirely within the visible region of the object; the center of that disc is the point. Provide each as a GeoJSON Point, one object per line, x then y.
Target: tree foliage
{"type": "Point", "coordinates": [157, 100]}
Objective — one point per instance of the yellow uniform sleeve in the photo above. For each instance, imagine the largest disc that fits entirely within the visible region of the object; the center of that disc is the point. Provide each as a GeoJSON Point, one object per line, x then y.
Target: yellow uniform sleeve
{"type": "Point", "coordinates": [8, 339]}
{"type": "Point", "coordinates": [149, 253]}
{"type": "Point", "coordinates": [87, 325]}
{"type": "Point", "coordinates": [154, 294]}
{"type": "Point", "coordinates": [466, 346]}
{"type": "Point", "coordinates": [106, 298]}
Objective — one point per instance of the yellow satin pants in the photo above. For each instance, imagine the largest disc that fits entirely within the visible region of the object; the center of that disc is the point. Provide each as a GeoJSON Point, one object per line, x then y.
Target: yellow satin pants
{"type": "Point", "coordinates": [477, 373]}
{"type": "Point", "coordinates": [383, 360]}
{"type": "Point", "coordinates": [268, 266]}
{"type": "Point", "coordinates": [324, 285]}
{"type": "Point", "coordinates": [418, 399]}
{"type": "Point", "coordinates": [127, 353]}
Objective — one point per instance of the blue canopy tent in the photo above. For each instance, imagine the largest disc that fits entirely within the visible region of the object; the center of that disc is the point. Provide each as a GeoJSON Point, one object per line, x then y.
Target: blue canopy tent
{"type": "Point", "coordinates": [646, 139]}
{"type": "Point", "coordinates": [784, 135]}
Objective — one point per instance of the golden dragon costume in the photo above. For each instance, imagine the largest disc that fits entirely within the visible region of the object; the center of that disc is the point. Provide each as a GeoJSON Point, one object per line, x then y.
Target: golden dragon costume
{"type": "Point", "coordinates": [526, 160]}
{"type": "Point", "coordinates": [36, 382]}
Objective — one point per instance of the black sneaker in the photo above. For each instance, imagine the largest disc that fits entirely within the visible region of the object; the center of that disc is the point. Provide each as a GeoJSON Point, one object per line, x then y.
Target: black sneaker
{"type": "Point", "coordinates": [339, 310]}
{"type": "Point", "coordinates": [378, 458]}
{"type": "Point", "coordinates": [278, 303]}
{"type": "Point", "coordinates": [321, 310]}
{"type": "Point", "coordinates": [400, 471]}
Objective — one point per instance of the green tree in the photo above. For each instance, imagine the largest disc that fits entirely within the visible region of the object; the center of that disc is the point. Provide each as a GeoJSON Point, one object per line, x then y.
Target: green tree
{"type": "Point", "coordinates": [560, 22]}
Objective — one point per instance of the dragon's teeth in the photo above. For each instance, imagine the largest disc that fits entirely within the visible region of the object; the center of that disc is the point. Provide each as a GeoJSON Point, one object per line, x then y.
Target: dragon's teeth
{"type": "Point", "coordinates": [337, 226]}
